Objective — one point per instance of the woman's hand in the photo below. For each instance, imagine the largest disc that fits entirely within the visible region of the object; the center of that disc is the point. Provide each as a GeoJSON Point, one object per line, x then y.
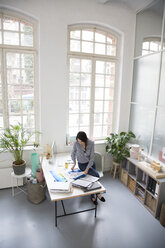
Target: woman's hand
{"type": "Point", "coordinates": [86, 171]}
{"type": "Point", "coordinates": [72, 168]}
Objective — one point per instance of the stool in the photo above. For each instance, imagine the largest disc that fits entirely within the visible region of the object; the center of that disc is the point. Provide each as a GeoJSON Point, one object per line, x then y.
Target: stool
{"type": "Point", "coordinates": [13, 175]}
{"type": "Point", "coordinates": [162, 215]}
{"type": "Point", "coordinates": [115, 170]}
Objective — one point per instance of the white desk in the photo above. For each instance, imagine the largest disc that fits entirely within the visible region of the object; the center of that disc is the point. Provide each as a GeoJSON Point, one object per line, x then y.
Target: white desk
{"type": "Point", "coordinates": [13, 175]}
{"type": "Point", "coordinates": [75, 192]}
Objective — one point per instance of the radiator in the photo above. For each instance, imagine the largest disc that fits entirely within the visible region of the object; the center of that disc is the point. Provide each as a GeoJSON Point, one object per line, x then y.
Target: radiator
{"type": "Point", "coordinates": [6, 180]}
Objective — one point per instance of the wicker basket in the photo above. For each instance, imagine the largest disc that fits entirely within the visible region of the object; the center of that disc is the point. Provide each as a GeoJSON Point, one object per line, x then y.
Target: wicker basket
{"type": "Point", "coordinates": [36, 192]}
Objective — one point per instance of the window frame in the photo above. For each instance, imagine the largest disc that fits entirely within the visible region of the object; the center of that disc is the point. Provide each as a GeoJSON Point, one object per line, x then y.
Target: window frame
{"type": "Point", "coordinates": [4, 49]}
{"type": "Point", "coordinates": [93, 57]}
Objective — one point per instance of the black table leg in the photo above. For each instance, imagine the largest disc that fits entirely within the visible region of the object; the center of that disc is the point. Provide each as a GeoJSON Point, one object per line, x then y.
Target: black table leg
{"type": "Point", "coordinates": [63, 207]}
{"type": "Point", "coordinates": [55, 213]}
{"type": "Point", "coordinates": [96, 206]}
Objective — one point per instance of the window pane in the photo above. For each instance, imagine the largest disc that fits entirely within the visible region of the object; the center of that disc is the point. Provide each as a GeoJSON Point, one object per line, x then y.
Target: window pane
{"type": "Point", "coordinates": [73, 119]}
{"type": "Point", "coordinates": [0, 37]}
{"type": "Point", "coordinates": [85, 79]}
{"type": "Point", "coordinates": [146, 45]}
{"type": "Point", "coordinates": [74, 79]}
{"type": "Point", "coordinates": [14, 92]}
{"type": "Point", "coordinates": [110, 68]}
{"type": "Point", "coordinates": [100, 67]}
{"type": "Point", "coordinates": [1, 122]}
{"type": "Point", "coordinates": [28, 106]}
{"type": "Point", "coordinates": [73, 131]}
{"type": "Point", "coordinates": [99, 80]}
{"type": "Point", "coordinates": [97, 133]}
{"type": "Point", "coordinates": [99, 93]}
{"type": "Point", "coordinates": [108, 106]}
{"type": "Point", "coordinates": [84, 119]}
{"type": "Point", "coordinates": [111, 40]}
{"type": "Point", "coordinates": [26, 27]}
{"type": "Point", "coordinates": [99, 37]}
{"type": "Point", "coordinates": [28, 121]}
{"type": "Point", "coordinates": [74, 93]}
{"type": "Point", "coordinates": [27, 39]}
{"type": "Point", "coordinates": [13, 76]}
{"type": "Point", "coordinates": [145, 80]}
{"type": "Point", "coordinates": [14, 106]}
{"type": "Point", "coordinates": [10, 24]}
{"type": "Point", "coordinates": [107, 130]}
{"type": "Point", "coordinates": [27, 76]}
{"type": "Point", "coordinates": [161, 101]}
{"type": "Point", "coordinates": [75, 45]}
{"type": "Point", "coordinates": [98, 118]}
{"type": "Point", "coordinates": [98, 106]}
{"type": "Point", "coordinates": [27, 60]}
{"type": "Point", "coordinates": [87, 47]}
{"type": "Point", "coordinates": [13, 120]}
{"type": "Point", "coordinates": [75, 34]}
{"type": "Point", "coordinates": [107, 118]}
{"type": "Point", "coordinates": [74, 65]}
{"type": "Point", "coordinates": [85, 93]}
{"type": "Point", "coordinates": [99, 48]}
{"type": "Point", "coordinates": [87, 35]}
{"type": "Point", "coordinates": [73, 106]}
{"type": "Point", "coordinates": [154, 46]}
{"type": "Point", "coordinates": [108, 94]}
{"type": "Point", "coordinates": [11, 38]}
{"type": "Point", "coordinates": [86, 65]}
{"type": "Point", "coordinates": [84, 106]}
{"type": "Point", "coordinates": [1, 108]}
{"type": "Point", "coordinates": [159, 136]}
{"type": "Point", "coordinates": [141, 124]}
{"type": "Point", "coordinates": [13, 60]}
{"type": "Point", "coordinates": [27, 92]}
{"type": "Point", "coordinates": [111, 50]}
{"type": "Point", "coordinates": [110, 81]}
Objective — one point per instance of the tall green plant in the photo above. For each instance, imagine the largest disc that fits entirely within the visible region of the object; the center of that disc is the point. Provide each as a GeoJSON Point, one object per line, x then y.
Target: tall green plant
{"type": "Point", "coordinates": [14, 139]}
{"type": "Point", "coordinates": [116, 145]}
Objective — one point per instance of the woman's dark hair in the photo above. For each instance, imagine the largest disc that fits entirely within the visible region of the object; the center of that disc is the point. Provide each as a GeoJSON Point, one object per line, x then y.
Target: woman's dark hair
{"type": "Point", "coordinates": [83, 137]}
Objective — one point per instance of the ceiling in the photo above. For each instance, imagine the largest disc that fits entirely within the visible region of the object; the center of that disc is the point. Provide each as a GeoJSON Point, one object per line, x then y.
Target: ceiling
{"type": "Point", "coordinates": [135, 5]}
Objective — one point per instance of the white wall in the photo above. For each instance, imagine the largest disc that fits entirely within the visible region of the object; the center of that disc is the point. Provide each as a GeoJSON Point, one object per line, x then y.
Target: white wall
{"type": "Point", "coordinates": [53, 17]}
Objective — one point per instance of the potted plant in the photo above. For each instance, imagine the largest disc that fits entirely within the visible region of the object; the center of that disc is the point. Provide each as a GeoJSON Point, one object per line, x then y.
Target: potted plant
{"type": "Point", "coordinates": [117, 145]}
{"type": "Point", "coordinates": [14, 139]}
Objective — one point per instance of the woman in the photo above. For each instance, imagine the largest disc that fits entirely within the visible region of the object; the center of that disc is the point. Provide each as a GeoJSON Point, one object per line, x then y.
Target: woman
{"type": "Point", "coordinates": [83, 151]}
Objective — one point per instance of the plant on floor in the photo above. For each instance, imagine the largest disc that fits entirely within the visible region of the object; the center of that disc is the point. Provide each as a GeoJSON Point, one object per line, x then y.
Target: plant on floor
{"type": "Point", "coordinates": [14, 139]}
{"type": "Point", "coordinates": [116, 144]}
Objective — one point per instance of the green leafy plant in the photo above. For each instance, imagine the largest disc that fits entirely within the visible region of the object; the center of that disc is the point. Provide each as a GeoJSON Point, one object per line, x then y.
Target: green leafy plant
{"type": "Point", "coordinates": [14, 139]}
{"type": "Point", "coordinates": [116, 145]}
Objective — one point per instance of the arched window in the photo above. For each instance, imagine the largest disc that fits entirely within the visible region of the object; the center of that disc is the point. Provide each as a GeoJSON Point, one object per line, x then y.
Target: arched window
{"type": "Point", "coordinates": [151, 45]}
{"type": "Point", "coordinates": [18, 91]}
{"type": "Point", "coordinates": [92, 58]}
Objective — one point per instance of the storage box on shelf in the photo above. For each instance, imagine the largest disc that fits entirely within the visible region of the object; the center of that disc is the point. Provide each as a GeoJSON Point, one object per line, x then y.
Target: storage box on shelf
{"type": "Point", "coordinates": [144, 184]}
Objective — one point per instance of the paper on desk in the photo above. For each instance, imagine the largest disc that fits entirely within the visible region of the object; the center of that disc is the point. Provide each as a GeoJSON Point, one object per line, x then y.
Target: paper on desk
{"type": "Point", "coordinates": [90, 178]}
{"type": "Point", "coordinates": [81, 183]}
{"type": "Point", "coordinates": [59, 186]}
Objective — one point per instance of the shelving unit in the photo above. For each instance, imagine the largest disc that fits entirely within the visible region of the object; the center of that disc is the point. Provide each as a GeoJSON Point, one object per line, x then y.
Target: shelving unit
{"type": "Point", "coordinates": [146, 187]}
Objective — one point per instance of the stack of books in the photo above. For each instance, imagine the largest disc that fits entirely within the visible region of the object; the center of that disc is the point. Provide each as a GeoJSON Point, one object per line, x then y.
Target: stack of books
{"type": "Point", "coordinates": [86, 182]}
